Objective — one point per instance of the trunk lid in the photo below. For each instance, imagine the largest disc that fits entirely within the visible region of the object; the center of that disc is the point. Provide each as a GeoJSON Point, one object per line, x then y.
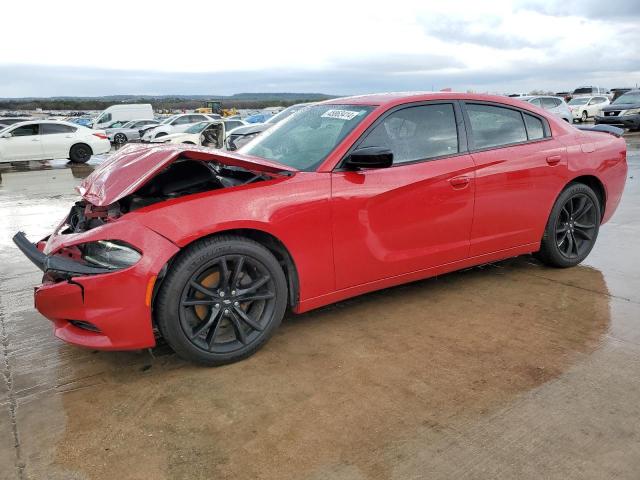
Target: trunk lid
{"type": "Point", "coordinates": [134, 165]}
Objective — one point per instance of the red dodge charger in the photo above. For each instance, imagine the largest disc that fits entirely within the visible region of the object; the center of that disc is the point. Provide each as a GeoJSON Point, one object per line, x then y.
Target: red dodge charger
{"type": "Point", "coordinates": [208, 248]}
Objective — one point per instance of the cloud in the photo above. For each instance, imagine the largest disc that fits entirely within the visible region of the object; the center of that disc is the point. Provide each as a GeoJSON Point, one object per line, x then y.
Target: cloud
{"type": "Point", "coordinates": [616, 10]}
{"type": "Point", "coordinates": [345, 48]}
{"type": "Point", "coordinates": [487, 33]}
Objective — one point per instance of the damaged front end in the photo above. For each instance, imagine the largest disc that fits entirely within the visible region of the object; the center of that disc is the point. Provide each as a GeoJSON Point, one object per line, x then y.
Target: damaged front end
{"type": "Point", "coordinates": [101, 265]}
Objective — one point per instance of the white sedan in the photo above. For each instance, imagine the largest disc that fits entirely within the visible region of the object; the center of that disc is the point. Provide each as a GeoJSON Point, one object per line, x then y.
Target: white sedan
{"type": "Point", "coordinates": [583, 108]}
{"type": "Point", "coordinates": [42, 140]}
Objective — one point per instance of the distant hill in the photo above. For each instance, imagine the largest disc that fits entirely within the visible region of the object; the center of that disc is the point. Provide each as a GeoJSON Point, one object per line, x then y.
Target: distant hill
{"type": "Point", "coordinates": [238, 100]}
{"type": "Point", "coordinates": [285, 96]}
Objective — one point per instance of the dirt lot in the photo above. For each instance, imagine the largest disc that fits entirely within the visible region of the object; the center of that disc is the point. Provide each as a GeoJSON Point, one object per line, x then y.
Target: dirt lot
{"type": "Point", "coordinates": [511, 370]}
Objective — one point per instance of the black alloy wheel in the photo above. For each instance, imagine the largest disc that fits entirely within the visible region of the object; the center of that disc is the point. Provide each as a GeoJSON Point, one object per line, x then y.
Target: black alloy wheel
{"type": "Point", "coordinates": [572, 228]}
{"type": "Point", "coordinates": [576, 225]}
{"type": "Point", "coordinates": [221, 300]}
{"type": "Point", "coordinates": [120, 139]}
{"type": "Point", "coordinates": [227, 303]}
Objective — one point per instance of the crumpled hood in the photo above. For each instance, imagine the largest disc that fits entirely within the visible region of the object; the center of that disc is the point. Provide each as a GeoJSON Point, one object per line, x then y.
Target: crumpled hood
{"type": "Point", "coordinates": [133, 165]}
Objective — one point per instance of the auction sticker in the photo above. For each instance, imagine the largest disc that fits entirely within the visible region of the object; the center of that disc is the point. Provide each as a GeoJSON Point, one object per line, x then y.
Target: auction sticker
{"type": "Point", "coordinates": [340, 114]}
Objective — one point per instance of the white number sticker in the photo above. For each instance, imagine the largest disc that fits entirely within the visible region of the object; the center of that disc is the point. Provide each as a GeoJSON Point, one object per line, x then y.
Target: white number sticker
{"type": "Point", "coordinates": [340, 114]}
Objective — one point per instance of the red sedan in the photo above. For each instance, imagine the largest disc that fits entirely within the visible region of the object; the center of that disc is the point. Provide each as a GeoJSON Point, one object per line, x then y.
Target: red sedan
{"type": "Point", "coordinates": [209, 248]}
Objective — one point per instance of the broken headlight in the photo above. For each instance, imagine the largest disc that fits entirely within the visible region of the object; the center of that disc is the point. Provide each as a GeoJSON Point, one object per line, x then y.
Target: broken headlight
{"type": "Point", "coordinates": [112, 254]}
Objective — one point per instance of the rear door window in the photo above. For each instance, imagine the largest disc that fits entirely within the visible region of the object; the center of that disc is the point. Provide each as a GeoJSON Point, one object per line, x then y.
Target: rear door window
{"type": "Point", "coordinates": [416, 133]}
{"type": "Point", "coordinates": [53, 128]}
{"type": "Point", "coordinates": [549, 103]}
{"type": "Point", "coordinates": [493, 126]}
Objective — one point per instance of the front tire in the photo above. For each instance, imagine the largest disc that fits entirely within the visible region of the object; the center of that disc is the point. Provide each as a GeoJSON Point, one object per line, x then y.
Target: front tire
{"type": "Point", "coordinates": [572, 227]}
{"type": "Point", "coordinates": [584, 117]}
{"type": "Point", "coordinates": [221, 300]}
{"type": "Point", "coordinates": [80, 153]}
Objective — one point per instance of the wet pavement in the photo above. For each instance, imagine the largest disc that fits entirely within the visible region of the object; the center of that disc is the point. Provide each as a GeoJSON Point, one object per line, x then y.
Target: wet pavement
{"type": "Point", "coordinates": [511, 370]}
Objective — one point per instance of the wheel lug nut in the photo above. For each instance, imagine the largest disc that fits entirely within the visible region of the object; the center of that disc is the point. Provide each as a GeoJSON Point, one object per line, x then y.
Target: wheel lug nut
{"type": "Point", "coordinates": [233, 292]}
{"type": "Point", "coordinates": [217, 305]}
{"type": "Point", "coordinates": [236, 304]}
{"type": "Point", "coordinates": [226, 311]}
{"type": "Point", "coordinates": [221, 293]}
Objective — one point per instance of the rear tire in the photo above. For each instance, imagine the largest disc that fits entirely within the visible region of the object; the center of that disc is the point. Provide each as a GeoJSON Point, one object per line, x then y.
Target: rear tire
{"type": "Point", "coordinates": [120, 139]}
{"type": "Point", "coordinates": [221, 300]}
{"type": "Point", "coordinates": [572, 228]}
{"type": "Point", "coordinates": [80, 153]}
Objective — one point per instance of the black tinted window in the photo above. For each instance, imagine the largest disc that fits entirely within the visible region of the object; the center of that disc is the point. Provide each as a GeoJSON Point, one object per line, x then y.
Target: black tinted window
{"type": "Point", "coordinates": [416, 133]}
{"type": "Point", "coordinates": [535, 128]}
{"type": "Point", "coordinates": [493, 126]}
{"type": "Point", "coordinates": [25, 130]}
{"type": "Point", "coordinates": [51, 128]}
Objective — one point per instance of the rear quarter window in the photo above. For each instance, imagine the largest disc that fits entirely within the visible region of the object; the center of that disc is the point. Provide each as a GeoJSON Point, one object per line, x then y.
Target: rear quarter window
{"type": "Point", "coordinates": [535, 127]}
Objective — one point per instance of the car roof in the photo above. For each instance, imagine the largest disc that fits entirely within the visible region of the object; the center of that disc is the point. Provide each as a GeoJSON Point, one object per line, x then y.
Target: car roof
{"type": "Point", "coordinates": [54, 122]}
{"type": "Point", "coordinates": [537, 96]}
{"type": "Point", "coordinates": [398, 98]}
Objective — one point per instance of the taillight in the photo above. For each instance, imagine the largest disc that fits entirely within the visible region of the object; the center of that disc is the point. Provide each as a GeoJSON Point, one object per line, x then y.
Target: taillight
{"type": "Point", "coordinates": [100, 135]}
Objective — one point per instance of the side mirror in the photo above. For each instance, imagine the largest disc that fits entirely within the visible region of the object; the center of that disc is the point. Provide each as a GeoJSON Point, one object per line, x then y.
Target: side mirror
{"type": "Point", "coordinates": [7, 135]}
{"type": "Point", "coordinates": [370, 157]}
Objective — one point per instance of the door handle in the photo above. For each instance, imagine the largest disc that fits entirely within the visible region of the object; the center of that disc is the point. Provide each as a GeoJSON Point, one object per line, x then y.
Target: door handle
{"type": "Point", "coordinates": [554, 159]}
{"type": "Point", "coordinates": [35, 139]}
{"type": "Point", "coordinates": [459, 182]}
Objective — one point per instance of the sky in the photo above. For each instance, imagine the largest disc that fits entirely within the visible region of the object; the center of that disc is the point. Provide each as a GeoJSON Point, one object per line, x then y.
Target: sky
{"type": "Point", "coordinates": [83, 48]}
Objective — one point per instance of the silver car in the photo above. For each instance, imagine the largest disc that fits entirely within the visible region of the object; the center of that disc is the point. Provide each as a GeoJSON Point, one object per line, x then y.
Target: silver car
{"type": "Point", "coordinates": [555, 105]}
{"type": "Point", "coordinates": [129, 131]}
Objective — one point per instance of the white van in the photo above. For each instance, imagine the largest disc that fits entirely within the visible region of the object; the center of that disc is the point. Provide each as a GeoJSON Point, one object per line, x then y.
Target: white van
{"type": "Point", "coordinates": [134, 111]}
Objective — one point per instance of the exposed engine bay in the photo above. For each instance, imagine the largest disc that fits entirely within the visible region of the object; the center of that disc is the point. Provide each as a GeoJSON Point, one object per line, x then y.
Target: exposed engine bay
{"type": "Point", "coordinates": [180, 178]}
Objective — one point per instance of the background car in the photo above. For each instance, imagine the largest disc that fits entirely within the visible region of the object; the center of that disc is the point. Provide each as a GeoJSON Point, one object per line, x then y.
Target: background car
{"type": "Point", "coordinates": [240, 136]}
{"type": "Point", "coordinates": [174, 124]}
{"type": "Point", "coordinates": [624, 111]}
{"type": "Point", "coordinates": [205, 134]}
{"type": "Point", "coordinates": [618, 92]}
{"type": "Point", "coordinates": [116, 124]}
{"type": "Point", "coordinates": [83, 121]}
{"type": "Point", "coordinates": [13, 120]}
{"type": "Point", "coordinates": [129, 131]}
{"type": "Point", "coordinates": [589, 91]}
{"type": "Point", "coordinates": [583, 108]}
{"type": "Point", "coordinates": [555, 105]}
{"type": "Point", "coordinates": [41, 140]}
{"type": "Point", "coordinates": [258, 118]}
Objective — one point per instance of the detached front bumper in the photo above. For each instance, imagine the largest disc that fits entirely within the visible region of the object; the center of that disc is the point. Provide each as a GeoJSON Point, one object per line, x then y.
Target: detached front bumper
{"type": "Point", "coordinates": [623, 121]}
{"type": "Point", "coordinates": [100, 308]}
